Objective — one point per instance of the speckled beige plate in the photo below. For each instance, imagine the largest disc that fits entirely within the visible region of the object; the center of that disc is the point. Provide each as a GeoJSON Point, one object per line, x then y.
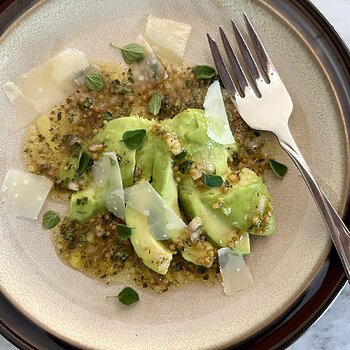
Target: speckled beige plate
{"type": "Point", "coordinates": [73, 307]}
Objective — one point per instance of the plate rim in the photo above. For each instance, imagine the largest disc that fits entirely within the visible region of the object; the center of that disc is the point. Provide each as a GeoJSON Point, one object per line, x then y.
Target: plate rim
{"type": "Point", "coordinates": [311, 304]}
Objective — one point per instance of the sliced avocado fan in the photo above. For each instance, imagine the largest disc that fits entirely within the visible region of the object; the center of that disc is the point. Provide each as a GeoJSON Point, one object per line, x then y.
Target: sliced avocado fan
{"type": "Point", "coordinates": [245, 208]}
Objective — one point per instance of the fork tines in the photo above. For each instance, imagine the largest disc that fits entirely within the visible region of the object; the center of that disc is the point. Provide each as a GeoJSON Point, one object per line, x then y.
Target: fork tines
{"type": "Point", "coordinates": [252, 67]}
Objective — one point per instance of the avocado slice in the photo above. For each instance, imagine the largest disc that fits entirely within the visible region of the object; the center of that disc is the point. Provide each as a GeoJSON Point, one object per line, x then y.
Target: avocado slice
{"type": "Point", "coordinates": [190, 127]}
{"type": "Point", "coordinates": [164, 183]}
{"type": "Point", "coordinates": [86, 203]}
{"type": "Point", "coordinates": [112, 137]}
{"type": "Point", "coordinates": [245, 203]}
{"type": "Point", "coordinates": [219, 231]}
{"type": "Point", "coordinates": [153, 253]}
{"type": "Point", "coordinates": [244, 209]}
{"type": "Point", "coordinates": [145, 158]}
{"type": "Point", "coordinates": [162, 175]}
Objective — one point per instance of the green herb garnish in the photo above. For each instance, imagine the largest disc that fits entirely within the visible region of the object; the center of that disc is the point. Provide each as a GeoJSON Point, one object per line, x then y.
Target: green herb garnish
{"type": "Point", "coordinates": [107, 116]}
{"type": "Point", "coordinates": [212, 180]}
{"type": "Point", "coordinates": [84, 161]}
{"type": "Point", "coordinates": [131, 53]}
{"type": "Point", "coordinates": [94, 82]}
{"type": "Point", "coordinates": [130, 76]}
{"type": "Point", "coordinates": [134, 139]}
{"type": "Point", "coordinates": [124, 232]}
{"type": "Point", "coordinates": [128, 296]}
{"type": "Point", "coordinates": [50, 220]}
{"type": "Point", "coordinates": [155, 103]}
{"type": "Point", "coordinates": [181, 155]}
{"type": "Point", "coordinates": [185, 165]}
{"type": "Point", "coordinates": [278, 169]}
{"type": "Point", "coordinates": [204, 72]}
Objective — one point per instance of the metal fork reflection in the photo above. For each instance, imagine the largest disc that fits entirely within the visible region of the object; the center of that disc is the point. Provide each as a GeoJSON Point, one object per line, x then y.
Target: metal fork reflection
{"type": "Point", "coordinates": [266, 105]}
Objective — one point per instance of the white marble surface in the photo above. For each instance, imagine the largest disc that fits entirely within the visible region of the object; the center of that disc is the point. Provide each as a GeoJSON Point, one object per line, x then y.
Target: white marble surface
{"type": "Point", "coordinates": [332, 331]}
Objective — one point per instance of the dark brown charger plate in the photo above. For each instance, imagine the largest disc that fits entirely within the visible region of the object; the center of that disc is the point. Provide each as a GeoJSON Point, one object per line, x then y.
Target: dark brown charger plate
{"type": "Point", "coordinates": [330, 279]}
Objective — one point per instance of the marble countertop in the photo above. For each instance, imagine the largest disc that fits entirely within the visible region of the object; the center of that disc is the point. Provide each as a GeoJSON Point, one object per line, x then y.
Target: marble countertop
{"type": "Point", "coordinates": [332, 331]}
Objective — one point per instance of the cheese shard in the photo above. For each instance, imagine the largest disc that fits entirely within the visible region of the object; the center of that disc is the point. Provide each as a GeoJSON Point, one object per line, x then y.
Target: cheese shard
{"type": "Point", "coordinates": [25, 112]}
{"type": "Point", "coordinates": [149, 71]}
{"type": "Point", "coordinates": [161, 218]}
{"type": "Point", "coordinates": [24, 194]}
{"type": "Point", "coordinates": [235, 273]}
{"type": "Point", "coordinates": [168, 38]}
{"type": "Point", "coordinates": [45, 86]}
{"type": "Point", "coordinates": [107, 176]}
{"type": "Point", "coordinates": [219, 128]}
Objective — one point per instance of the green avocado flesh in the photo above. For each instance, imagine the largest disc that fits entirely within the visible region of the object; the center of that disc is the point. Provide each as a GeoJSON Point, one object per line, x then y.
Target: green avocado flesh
{"type": "Point", "coordinates": [245, 208]}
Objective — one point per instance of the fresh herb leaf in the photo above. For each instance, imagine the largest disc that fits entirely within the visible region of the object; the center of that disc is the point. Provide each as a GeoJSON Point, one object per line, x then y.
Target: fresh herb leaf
{"type": "Point", "coordinates": [278, 169]}
{"type": "Point", "coordinates": [128, 296]}
{"type": "Point", "coordinates": [185, 165]}
{"type": "Point", "coordinates": [130, 76]}
{"type": "Point", "coordinates": [211, 180]}
{"type": "Point", "coordinates": [107, 116]}
{"type": "Point", "coordinates": [155, 103]}
{"type": "Point", "coordinates": [132, 53]}
{"type": "Point", "coordinates": [84, 161]}
{"type": "Point", "coordinates": [204, 72]}
{"type": "Point", "coordinates": [181, 155]}
{"type": "Point", "coordinates": [134, 138]}
{"type": "Point", "coordinates": [50, 220]}
{"type": "Point", "coordinates": [124, 232]}
{"type": "Point", "coordinates": [94, 82]}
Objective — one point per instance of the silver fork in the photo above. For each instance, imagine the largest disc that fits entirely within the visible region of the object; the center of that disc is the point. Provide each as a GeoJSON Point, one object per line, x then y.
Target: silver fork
{"type": "Point", "coordinates": [270, 112]}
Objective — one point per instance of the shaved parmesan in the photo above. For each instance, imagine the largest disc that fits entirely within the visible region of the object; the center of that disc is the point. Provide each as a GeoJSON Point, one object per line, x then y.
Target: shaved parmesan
{"type": "Point", "coordinates": [162, 219]}
{"type": "Point", "coordinates": [24, 193]}
{"type": "Point", "coordinates": [107, 176]}
{"type": "Point", "coordinates": [24, 109]}
{"type": "Point", "coordinates": [149, 70]}
{"type": "Point", "coordinates": [235, 273]}
{"type": "Point", "coordinates": [168, 38]}
{"type": "Point", "coordinates": [219, 128]}
{"type": "Point", "coordinates": [45, 86]}
{"type": "Point", "coordinates": [67, 64]}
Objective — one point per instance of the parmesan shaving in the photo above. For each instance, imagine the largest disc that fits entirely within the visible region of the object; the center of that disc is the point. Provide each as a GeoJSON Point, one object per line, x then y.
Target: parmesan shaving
{"type": "Point", "coordinates": [45, 86]}
{"type": "Point", "coordinates": [235, 273]}
{"type": "Point", "coordinates": [107, 176]}
{"type": "Point", "coordinates": [219, 128]}
{"type": "Point", "coordinates": [161, 218]}
{"type": "Point", "coordinates": [24, 193]}
{"type": "Point", "coordinates": [168, 38]}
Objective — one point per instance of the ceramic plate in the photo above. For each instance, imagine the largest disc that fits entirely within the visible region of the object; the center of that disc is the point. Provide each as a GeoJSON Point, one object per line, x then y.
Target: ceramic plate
{"type": "Point", "coordinates": [72, 307]}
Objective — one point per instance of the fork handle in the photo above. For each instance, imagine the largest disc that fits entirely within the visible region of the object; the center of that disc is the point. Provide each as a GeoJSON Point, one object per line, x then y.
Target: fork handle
{"type": "Point", "coordinates": [338, 231]}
